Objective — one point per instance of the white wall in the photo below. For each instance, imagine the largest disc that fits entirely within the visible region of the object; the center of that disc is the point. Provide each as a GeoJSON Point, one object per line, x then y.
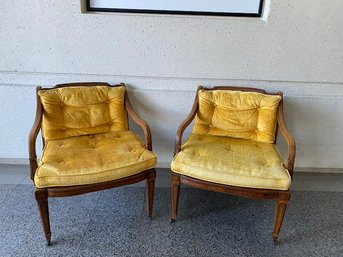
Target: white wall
{"type": "Point", "coordinates": [298, 50]}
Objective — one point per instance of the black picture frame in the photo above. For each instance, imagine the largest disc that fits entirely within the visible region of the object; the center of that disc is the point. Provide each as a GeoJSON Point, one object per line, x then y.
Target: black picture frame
{"type": "Point", "coordinates": [143, 11]}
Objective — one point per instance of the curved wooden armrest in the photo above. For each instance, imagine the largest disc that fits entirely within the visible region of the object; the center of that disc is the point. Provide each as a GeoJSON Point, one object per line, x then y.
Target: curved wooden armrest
{"type": "Point", "coordinates": [33, 136]}
{"type": "Point", "coordinates": [140, 122]}
{"type": "Point", "coordinates": [288, 138]}
{"type": "Point", "coordinates": [185, 123]}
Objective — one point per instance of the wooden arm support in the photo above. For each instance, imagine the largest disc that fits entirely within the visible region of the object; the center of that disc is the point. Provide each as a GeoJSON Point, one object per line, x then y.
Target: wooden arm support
{"type": "Point", "coordinates": [288, 138]}
{"type": "Point", "coordinates": [185, 123]}
{"type": "Point", "coordinates": [139, 122]}
{"type": "Point", "coordinates": [33, 136]}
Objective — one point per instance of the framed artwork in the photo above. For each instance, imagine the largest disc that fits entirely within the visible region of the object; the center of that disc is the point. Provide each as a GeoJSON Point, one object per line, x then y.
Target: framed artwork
{"type": "Point", "coordinates": [247, 8]}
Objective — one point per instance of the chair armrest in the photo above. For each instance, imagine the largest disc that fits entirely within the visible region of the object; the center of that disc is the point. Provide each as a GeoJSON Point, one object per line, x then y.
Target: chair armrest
{"type": "Point", "coordinates": [33, 136]}
{"type": "Point", "coordinates": [140, 122]}
{"type": "Point", "coordinates": [185, 123]}
{"type": "Point", "coordinates": [288, 138]}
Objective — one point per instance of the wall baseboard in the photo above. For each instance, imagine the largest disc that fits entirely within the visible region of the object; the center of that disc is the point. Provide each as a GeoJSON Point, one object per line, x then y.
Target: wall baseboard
{"type": "Point", "coordinates": [14, 161]}
{"type": "Point", "coordinates": [166, 166]}
{"type": "Point", "coordinates": [317, 170]}
{"type": "Point", "coordinates": [24, 161]}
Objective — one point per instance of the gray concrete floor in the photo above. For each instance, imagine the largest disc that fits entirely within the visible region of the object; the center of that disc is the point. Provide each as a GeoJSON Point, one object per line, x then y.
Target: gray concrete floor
{"type": "Point", "coordinates": [209, 223]}
{"type": "Point", "coordinates": [302, 181]}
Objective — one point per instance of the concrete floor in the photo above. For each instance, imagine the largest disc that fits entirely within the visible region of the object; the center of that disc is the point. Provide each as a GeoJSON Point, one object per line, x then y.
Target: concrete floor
{"type": "Point", "coordinates": [209, 223]}
{"type": "Point", "coordinates": [302, 181]}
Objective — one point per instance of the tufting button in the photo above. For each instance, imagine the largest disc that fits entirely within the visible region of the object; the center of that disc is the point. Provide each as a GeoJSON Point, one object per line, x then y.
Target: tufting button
{"type": "Point", "coordinates": [63, 129]}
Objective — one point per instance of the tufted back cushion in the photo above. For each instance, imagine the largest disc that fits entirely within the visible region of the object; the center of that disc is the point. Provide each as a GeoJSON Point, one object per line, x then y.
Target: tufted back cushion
{"type": "Point", "coordinates": [246, 115]}
{"type": "Point", "coordinates": [75, 111]}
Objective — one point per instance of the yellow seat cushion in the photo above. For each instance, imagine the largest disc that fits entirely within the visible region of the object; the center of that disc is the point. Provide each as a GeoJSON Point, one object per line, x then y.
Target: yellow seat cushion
{"type": "Point", "coordinates": [246, 115]}
{"type": "Point", "coordinates": [92, 159]}
{"type": "Point", "coordinates": [75, 111]}
{"type": "Point", "coordinates": [230, 161]}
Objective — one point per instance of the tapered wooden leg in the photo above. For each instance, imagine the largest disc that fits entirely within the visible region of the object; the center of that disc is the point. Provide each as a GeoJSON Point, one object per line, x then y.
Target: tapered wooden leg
{"type": "Point", "coordinates": [282, 202]}
{"type": "Point", "coordinates": [150, 187]}
{"type": "Point", "coordinates": [175, 179]}
{"type": "Point", "coordinates": [42, 200]}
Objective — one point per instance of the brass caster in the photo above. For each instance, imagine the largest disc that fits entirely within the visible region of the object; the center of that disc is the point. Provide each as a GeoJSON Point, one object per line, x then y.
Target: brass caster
{"type": "Point", "coordinates": [48, 242]}
{"type": "Point", "coordinates": [275, 239]}
{"type": "Point", "coordinates": [172, 221]}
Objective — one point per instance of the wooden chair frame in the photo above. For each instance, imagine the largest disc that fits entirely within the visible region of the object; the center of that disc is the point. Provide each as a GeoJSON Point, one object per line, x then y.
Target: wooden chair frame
{"type": "Point", "coordinates": [282, 196]}
{"type": "Point", "coordinates": [42, 194]}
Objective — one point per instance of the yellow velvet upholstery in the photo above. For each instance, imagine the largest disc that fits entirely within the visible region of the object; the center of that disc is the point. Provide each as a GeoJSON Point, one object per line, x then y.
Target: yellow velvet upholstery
{"type": "Point", "coordinates": [246, 115]}
{"type": "Point", "coordinates": [92, 159]}
{"type": "Point", "coordinates": [74, 111]}
{"type": "Point", "coordinates": [232, 161]}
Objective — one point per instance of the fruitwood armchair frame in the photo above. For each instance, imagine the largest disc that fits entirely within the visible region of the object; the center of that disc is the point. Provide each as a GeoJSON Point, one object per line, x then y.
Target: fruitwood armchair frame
{"type": "Point", "coordinates": [282, 196]}
{"type": "Point", "coordinates": [42, 194]}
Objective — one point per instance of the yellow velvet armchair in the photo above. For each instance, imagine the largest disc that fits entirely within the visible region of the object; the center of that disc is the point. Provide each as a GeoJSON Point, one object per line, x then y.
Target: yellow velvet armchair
{"type": "Point", "coordinates": [231, 148]}
{"type": "Point", "coordinates": [87, 144]}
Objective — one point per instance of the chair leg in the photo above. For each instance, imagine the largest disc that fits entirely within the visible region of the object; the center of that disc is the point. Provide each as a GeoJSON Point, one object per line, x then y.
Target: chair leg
{"type": "Point", "coordinates": [42, 201]}
{"type": "Point", "coordinates": [282, 202]}
{"type": "Point", "coordinates": [175, 195]}
{"type": "Point", "coordinates": [150, 187]}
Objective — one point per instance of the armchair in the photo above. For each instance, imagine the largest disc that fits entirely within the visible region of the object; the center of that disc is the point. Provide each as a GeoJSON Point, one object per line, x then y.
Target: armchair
{"type": "Point", "coordinates": [87, 144]}
{"type": "Point", "coordinates": [231, 148]}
